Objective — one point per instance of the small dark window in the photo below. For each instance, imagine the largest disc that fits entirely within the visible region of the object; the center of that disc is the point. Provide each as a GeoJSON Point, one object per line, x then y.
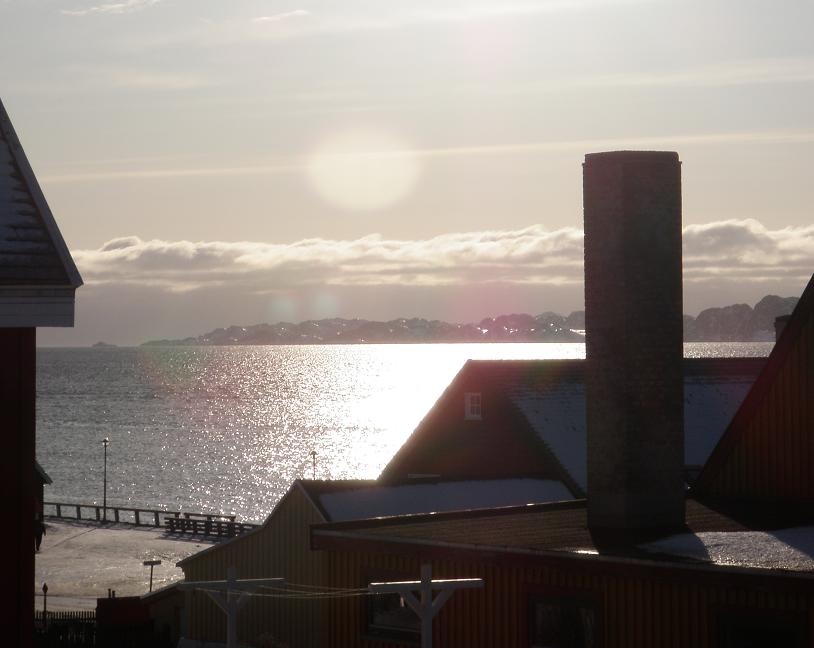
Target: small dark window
{"type": "Point", "coordinates": [472, 406]}
{"type": "Point", "coordinates": [389, 617]}
{"type": "Point", "coordinates": [561, 623]}
{"type": "Point", "coordinates": [751, 629]}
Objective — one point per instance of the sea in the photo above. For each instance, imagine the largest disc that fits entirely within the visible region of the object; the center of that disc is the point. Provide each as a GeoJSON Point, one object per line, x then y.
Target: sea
{"type": "Point", "coordinates": [227, 429]}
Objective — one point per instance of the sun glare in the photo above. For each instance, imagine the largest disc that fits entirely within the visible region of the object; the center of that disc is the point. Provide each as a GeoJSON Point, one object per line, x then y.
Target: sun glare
{"type": "Point", "coordinates": [363, 169]}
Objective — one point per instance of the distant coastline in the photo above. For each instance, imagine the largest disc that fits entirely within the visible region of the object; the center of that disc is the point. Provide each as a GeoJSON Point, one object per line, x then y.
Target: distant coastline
{"type": "Point", "coordinates": [735, 323]}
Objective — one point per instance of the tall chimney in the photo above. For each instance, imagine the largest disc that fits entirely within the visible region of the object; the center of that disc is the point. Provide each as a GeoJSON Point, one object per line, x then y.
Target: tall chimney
{"type": "Point", "coordinates": [633, 320]}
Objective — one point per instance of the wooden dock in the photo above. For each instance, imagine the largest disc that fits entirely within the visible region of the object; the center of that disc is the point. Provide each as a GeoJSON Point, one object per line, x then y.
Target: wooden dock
{"type": "Point", "coordinates": [203, 524]}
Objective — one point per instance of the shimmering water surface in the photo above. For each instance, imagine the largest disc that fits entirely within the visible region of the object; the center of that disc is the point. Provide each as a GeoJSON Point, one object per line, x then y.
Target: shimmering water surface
{"type": "Point", "coordinates": [226, 429]}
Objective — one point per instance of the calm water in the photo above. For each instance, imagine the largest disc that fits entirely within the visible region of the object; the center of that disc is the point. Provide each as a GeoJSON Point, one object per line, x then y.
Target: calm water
{"type": "Point", "coordinates": [228, 428]}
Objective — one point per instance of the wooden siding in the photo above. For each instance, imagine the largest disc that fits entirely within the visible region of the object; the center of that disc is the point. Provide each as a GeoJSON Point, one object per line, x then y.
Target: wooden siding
{"type": "Point", "coordinates": [768, 453]}
{"type": "Point", "coordinates": [17, 425]}
{"type": "Point", "coordinates": [280, 548]}
{"type": "Point", "coordinates": [635, 606]}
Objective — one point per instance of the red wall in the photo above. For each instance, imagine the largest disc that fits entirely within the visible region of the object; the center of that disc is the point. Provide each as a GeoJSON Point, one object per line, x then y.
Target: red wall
{"type": "Point", "coordinates": [17, 429]}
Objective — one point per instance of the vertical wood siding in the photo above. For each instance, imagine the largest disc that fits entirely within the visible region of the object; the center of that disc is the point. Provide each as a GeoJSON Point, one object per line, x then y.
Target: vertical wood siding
{"type": "Point", "coordinates": [281, 548]}
{"type": "Point", "coordinates": [773, 455]}
{"type": "Point", "coordinates": [17, 426]}
{"type": "Point", "coordinates": [635, 609]}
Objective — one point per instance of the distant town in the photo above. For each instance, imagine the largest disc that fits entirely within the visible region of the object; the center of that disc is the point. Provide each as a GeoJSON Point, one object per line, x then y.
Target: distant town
{"type": "Point", "coordinates": [735, 323]}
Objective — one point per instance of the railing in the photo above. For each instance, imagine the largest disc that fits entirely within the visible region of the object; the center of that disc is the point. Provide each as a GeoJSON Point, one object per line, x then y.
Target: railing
{"type": "Point", "coordinates": [220, 528]}
{"type": "Point", "coordinates": [65, 629]}
{"type": "Point", "coordinates": [79, 616]}
{"type": "Point", "coordinates": [175, 521]}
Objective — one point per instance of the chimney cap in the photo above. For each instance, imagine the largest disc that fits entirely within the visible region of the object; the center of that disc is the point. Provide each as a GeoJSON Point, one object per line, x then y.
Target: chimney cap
{"type": "Point", "coordinates": [628, 157]}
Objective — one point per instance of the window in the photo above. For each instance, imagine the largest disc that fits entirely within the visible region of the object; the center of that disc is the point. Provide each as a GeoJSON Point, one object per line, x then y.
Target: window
{"type": "Point", "coordinates": [561, 623]}
{"type": "Point", "coordinates": [389, 617]}
{"type": "Point", "coordinates": [760, 629]}
{"type": "Point", "coordinates": [472, 406]}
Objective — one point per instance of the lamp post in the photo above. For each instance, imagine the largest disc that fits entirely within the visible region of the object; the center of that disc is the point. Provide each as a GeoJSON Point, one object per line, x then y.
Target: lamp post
{"type": "Point", "coordinates": [45, 605]}
{"type": "Point", "coordinates": [105, 441]}
{"type": "Point", "coordinates": [151, 564]}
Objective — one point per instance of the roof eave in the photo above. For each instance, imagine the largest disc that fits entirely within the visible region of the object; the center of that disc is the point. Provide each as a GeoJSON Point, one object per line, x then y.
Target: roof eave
{"type": "Point", "coordinates": [328, 539]}
{"type": "Point", "coordinates": [34, 306]}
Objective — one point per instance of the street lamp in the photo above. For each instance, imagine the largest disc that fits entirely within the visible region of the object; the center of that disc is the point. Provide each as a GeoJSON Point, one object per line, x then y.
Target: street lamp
{"type": "Point", "coordinates": [45, 605]}
{"type": "Point", "coordinates": [151, 564]}
{"type": "Point", "coordinates": [105, 441]}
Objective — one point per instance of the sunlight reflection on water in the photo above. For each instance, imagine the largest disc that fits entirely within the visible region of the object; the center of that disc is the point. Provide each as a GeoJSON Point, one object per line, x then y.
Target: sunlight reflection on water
{"type": "Point", "coordinates": [228, 428]}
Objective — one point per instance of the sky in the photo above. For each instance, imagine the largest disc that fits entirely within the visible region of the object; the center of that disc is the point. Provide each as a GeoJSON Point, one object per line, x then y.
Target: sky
{"type": "Point", "coordinates": [215, 162]}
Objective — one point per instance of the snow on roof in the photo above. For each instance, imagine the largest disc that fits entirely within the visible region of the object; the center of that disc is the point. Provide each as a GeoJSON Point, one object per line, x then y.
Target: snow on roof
{"type": "Point", "coordinates": [709, 405]}
{"type": "Point", "coordinates": [410, 499]}
{"type": "Point", "coordinates": [556, 412]}
{"type": "Point", "coordinates": [789, 549]}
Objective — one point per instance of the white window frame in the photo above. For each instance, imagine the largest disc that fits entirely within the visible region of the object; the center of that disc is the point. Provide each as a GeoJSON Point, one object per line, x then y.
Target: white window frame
{"type": "Point", "coordinates": [473, 406]}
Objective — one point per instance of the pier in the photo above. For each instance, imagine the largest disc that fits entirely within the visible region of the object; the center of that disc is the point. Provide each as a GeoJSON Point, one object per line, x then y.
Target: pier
{"type": "Point", "coordinates": [205, 524]}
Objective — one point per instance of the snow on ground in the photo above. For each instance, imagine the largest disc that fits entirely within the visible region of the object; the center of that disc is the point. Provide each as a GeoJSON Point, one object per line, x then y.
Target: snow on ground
{"type": "Point", "coordinates": [380, 501]}
{"type": "Point", "coordinates": [790, 549]}
{"type": "Point", "coordinates": [81, 560]}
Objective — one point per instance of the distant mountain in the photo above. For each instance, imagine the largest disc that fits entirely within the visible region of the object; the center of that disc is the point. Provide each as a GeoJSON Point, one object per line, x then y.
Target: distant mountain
{"type": "Point", "coordinates": [737, 323]}
{"type": "Point", "coordinates": [548, 327]}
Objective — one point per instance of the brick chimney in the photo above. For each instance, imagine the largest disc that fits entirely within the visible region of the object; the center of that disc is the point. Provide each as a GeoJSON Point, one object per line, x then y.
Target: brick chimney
{"type": "Point", "coordinates": [633, 320]}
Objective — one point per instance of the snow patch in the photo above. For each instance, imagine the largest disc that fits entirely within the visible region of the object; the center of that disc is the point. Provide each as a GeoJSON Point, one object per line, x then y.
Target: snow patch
{"type": "Point", "coordinates": [789, 549]}
{"type": "Point", "coordinates": [380, 501]}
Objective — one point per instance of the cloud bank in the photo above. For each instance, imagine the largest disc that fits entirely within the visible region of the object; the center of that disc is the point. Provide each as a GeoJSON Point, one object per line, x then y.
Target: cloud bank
{"type": "Point", "coordinates": [297, 13]}
{"type": "Point", "coordinates": [723, 251]}
{"type": "Point", "coordinates": [127, 6]}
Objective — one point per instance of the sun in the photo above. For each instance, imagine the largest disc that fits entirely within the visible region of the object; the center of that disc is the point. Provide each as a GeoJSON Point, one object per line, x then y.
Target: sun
{"type": "Point", "coordinates": [363, 169]}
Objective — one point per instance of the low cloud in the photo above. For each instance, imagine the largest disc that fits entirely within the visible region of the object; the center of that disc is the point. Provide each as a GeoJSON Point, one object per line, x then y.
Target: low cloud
{"type": "Point", "coordinates": [742, 250]}
{"type": "Point", "coordinates": [297, 13]}
{"type": "Point", "coordinates": [128, 6]}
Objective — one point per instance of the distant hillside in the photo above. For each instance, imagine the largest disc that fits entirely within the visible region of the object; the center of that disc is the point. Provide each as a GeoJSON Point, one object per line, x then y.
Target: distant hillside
{"type": "Point", "coordinates": [739, 322]}
{"type": "Point", "coordinates": [736, 323]}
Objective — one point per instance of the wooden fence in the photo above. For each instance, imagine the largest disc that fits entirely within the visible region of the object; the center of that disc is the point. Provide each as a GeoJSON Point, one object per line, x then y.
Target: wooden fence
{"type": "Point", "coordinates": [72, 629]}
{"type": "Point", "coordinates": [175, 521]}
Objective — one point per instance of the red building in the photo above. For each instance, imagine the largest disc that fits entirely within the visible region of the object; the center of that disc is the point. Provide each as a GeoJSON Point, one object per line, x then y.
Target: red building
{"type": "Point", "coordinates": [740, 573]}
{"type": "Point", "coordinates": [530, 421]}
{"type": "Point", "coordinates": [767, 453]}
{"type": "Point", "coordinates": [37, 283]}
{"type": "Point", "coordinates": [639, 563]}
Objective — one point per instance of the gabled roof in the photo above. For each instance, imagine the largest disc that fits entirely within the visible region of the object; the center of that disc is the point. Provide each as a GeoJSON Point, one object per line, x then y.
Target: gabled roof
{"type": "Point", "coordinates": [778, 410]}
{"type": "Point", "coordinates": [341, 500]}
{"type": "Point", "coordinates": [560, 529]}
{"type": "Point", "coordinates": [549, 396]}
{"type": "Point", "coordinates": [37, 274]}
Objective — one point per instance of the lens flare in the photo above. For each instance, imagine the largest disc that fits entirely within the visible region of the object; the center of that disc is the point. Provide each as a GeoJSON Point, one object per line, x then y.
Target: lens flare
{"type": "Point", "coordinates": [363, 169]}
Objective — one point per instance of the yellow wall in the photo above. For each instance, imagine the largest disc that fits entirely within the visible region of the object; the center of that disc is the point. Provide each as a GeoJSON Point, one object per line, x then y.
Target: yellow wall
{"type": "Point", "coordinates": [280, 548]}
